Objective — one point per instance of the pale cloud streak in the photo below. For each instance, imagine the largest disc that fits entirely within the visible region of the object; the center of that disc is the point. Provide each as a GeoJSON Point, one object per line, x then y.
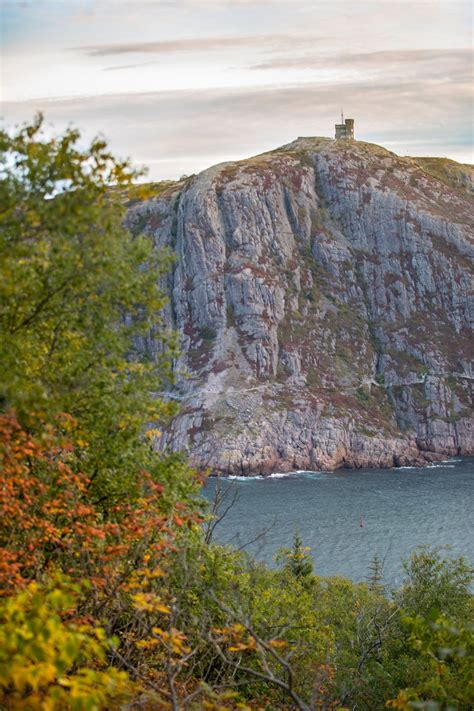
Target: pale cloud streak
{"type": "Point", "coordinates": [375, 60]}
{"type": "Point", "coordinates": [203, 44]}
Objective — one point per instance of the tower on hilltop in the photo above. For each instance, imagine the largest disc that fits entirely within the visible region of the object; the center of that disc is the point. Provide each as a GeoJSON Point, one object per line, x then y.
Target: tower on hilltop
{"type": "Point", "coordinates": [345, 129]}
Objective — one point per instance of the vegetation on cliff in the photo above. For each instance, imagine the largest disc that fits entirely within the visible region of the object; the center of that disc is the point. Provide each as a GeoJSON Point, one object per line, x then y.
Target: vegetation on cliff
{"type": "Point", "coordinates": [112, 593]}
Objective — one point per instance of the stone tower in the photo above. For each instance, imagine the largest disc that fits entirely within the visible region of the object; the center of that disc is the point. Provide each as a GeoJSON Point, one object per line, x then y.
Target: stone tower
{"type": "Point", "coordinates": [345, 129]}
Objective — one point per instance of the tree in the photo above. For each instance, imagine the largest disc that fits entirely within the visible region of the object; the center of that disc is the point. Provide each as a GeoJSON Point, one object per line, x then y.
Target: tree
{"type": "Point", "coordinates": [447, 650]}
{"type": "Point", "coordinates": [375, 576]}
{"type": "Point", "coordinates": [296, 560]}
{"type": "Point", "coordinates": [81, 489]}
{"type": "Point", "coordinates": [48, 519]}
{"type": "Point", "coordinates": [77, 294]}
{"type": "Point", "coordinates": [436, 582]}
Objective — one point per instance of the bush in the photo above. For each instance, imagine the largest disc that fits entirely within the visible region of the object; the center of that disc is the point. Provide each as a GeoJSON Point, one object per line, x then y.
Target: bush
{"type": "Point", "coordinates": [207, 333]}
{"type": "Point", "coordinates": [49, 660]}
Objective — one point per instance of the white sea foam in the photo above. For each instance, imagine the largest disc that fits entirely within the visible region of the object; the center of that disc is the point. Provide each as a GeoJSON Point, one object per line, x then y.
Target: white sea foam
{"type": "Point", "coordinates": [308, 471]}
{"type": "Point", "coordinates": [299, 472]}
{"type": "Point", "coordinates": [445, 464]}
{"type": "Point", "coordinates": [276, 475]}
{"type": "Point", "coordinates": [244, 478]}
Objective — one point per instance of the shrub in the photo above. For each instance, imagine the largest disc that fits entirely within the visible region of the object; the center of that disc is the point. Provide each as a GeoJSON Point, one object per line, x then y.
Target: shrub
{"type": "Point", "coordinates": [207, 333]}
{"type": "Point", "coordinates": [51, 660]}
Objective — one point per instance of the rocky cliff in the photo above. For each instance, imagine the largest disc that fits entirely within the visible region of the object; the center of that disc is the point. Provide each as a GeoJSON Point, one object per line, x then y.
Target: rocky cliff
{"type": "Point", "coordinates": [322, 297]}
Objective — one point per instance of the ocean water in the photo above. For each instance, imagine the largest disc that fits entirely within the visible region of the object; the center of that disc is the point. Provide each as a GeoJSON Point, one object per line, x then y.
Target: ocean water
{"type": "Point", "coordinates": [348, 516]}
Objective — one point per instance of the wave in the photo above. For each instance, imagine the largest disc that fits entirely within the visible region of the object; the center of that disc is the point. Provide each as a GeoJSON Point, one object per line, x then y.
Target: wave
{"type": "Point", "coordinates": [277, 475]}
{"type": "Point", "coordinates": [309, 471]}
{"type": "Point", "coordinates": [306, 473]}
{"type": "Point", "coordinates": [235, 477]}
{"type": "Point", "coordinates": [443, 464]}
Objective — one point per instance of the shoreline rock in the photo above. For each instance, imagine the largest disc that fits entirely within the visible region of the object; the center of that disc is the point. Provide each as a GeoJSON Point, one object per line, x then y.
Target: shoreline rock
{"type": "Point", "coordinates": [402, 463]}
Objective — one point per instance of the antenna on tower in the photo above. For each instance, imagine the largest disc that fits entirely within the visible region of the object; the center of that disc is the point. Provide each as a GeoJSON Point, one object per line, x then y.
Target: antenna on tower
{"type": "Point", "coordinates": [342, 116]}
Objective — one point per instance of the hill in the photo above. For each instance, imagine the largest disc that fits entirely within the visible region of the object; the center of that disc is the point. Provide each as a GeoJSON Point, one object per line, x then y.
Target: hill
{"type": "Point", "coordinates": [321, 292]}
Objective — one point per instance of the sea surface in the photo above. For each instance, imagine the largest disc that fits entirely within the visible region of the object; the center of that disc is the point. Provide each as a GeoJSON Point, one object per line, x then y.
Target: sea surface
{"type": "Point", "coordinates": [348, 516]}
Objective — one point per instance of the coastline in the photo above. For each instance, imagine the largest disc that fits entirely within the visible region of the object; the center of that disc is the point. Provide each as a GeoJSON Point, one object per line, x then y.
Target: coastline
{"type": "Point", "coordinates": [428, 462]}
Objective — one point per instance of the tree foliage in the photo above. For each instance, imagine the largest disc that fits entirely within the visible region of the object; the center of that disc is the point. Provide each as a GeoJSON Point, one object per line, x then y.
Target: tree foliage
{"type": "Point", "coordinates": [448, 651]}
{"type": "Point", "coordinates": [296, 560]}
{"type": "Point", "coordinates": [48, 660]}
{"type": "Point", "coordinates": [49, 520]}
{"type": "Point", "coordinates": [77, 293]}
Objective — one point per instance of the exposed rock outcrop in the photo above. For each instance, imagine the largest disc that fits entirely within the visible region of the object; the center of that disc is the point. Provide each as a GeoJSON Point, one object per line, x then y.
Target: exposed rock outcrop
{"type": "Point", "coordinates": [322, 297]}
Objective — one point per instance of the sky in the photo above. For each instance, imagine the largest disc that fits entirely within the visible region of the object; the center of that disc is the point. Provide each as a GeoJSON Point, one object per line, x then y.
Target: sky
{"type": "Point", "coordinates": [179, 85]}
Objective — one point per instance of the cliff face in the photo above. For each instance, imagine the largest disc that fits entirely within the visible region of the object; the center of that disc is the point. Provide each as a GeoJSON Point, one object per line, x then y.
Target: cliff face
{"type": "Point", "coordinates": [321, 293]}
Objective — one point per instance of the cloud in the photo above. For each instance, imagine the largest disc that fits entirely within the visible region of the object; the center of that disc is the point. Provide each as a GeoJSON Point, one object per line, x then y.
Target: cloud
{"type": "Point", "coordinates": [186, 131]}
{"type": "Point", "coordinates": [373, 60]}
{"type": "Point", "coordinates": [198, 44]}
